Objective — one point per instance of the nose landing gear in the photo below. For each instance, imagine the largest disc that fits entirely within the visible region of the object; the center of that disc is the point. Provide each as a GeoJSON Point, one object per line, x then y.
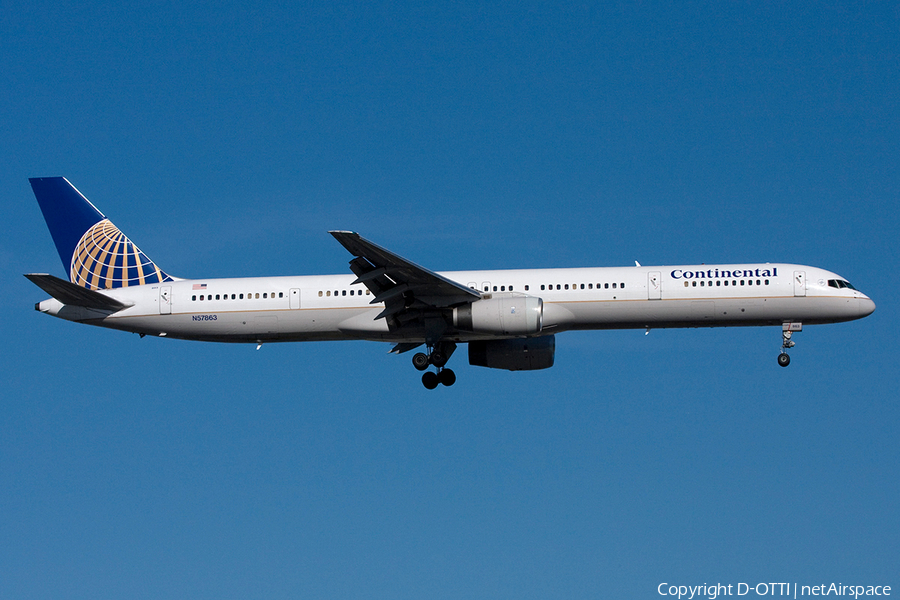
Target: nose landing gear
{"type": "Point", "coordinates": [787, 331]}
{"type": "Point", "coordinates": [437, 356]}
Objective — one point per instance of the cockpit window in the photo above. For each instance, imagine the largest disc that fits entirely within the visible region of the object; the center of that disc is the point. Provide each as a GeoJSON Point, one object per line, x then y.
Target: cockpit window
{"type": "Point", "coordinates": [840, 283]}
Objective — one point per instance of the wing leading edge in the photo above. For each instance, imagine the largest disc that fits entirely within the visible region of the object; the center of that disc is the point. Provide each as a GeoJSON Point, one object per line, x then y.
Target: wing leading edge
{"type": "Point", "coordinates": [402, 285]}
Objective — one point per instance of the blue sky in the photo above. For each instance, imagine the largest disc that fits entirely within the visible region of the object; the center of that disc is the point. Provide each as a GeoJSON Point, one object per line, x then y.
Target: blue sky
{"type": "Point", "coordinates": [226, 138]}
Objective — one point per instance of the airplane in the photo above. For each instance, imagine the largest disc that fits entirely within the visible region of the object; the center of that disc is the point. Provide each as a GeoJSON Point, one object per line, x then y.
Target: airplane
{"type": "Point", "coordinates": [508, 318]}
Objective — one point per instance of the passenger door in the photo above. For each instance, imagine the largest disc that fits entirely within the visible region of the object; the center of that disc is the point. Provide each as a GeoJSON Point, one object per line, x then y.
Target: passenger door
{"type": "Point", "coordinates": [799, 283]}
{"type": "Point", "coordinates": [654, 286]}
{"type": "Point", "coordinates": [165, 299]}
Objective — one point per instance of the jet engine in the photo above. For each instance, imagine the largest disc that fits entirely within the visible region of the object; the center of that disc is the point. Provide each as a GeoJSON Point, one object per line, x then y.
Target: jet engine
{"type": "Point", "coordinates": [521, 354]}
{"type": "Point", "coordinates": [501, 314]}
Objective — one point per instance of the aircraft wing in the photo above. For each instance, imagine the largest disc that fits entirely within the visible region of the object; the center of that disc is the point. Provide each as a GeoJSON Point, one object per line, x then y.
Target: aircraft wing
{"type": "Point", "coordinates": [397, 282]}
{"type": "Point", "coordinates": [75, 295]}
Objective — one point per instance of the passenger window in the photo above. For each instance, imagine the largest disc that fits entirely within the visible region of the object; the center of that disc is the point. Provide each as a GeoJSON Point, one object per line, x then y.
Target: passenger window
{"type": "Point", "coordinates": [606, 286]}
{"type": "Point", "coordinates": [510, 288]}
{"type": "Point", "coordinates": [694, 283]}
{"type": "Point", "coordinates": [567, 286]}
{"type": "Point", "coordinates": [590, 286]}
{"type": "Point", "coordinates": [742, 282]}
{"type": "Point", "coordinates": [767, 282]}
{"type": "Point", "coordinates": [558, 286]}
{"type": "Point", "coordinates": [265, 295]}
{"type": "Point", "coordinates": [502, 288]}
{"type": "Point", "coordinates": [582, 286]}
{"type": "Point", "coordinates": [194, 298]}
{"type": "Point", "coordinates": [718, 283]}
{"type": "Point", "coordinates": [686, 284]}
{"type": "Point", "coordinates": [542, 286]}
{"type": "Point", "coordinates": [621, 286]}
{"type": "Point", "coordinates": [344, 293]}
{"type": "Point", "coordinates": [328, 293]}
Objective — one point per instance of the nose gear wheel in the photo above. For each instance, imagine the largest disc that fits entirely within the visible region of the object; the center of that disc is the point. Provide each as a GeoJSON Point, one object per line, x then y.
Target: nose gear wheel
{"type": "Point", "coordinates": [787, 331]}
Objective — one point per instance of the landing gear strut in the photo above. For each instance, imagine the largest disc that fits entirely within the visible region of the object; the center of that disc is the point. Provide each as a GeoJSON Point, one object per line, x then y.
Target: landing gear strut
{"type": "Point", "coordinates": [787, 331]}
{"type": "Point", "coordinates": [438, 355]}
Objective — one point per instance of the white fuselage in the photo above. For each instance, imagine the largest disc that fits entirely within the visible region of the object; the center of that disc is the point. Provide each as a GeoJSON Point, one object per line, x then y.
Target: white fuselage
{"type": "Point", "coordinates": [331, 307]}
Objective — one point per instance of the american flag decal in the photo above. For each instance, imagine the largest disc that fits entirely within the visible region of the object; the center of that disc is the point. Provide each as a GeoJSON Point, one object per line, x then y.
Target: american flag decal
{"type": "Point", "coordinates": [199, 286]}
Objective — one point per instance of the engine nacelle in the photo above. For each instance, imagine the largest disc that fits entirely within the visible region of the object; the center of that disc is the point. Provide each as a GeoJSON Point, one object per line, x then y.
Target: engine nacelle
{"type": "Point", "coordinates": [528, 354]}
{"type": "Point", "coordinates": [501, 314]}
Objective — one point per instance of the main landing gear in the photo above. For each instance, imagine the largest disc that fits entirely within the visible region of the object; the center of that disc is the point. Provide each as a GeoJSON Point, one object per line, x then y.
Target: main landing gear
{"type": "Point", "coordinates": [437, 356]}
{"type": "Point", "coordinates": [787, 331]}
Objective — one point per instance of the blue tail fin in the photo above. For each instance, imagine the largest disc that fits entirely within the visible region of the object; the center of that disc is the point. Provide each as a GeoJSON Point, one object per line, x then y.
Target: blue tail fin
{"type": "Point", "coordinates": [96, 254]}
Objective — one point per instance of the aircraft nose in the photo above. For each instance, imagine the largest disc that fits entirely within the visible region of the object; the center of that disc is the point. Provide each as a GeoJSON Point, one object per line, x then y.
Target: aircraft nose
{"type": "Point", "coordinates": [866, 306]}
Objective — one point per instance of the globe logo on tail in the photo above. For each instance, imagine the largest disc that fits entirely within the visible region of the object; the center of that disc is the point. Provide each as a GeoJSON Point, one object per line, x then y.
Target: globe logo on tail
{"type": "Point", "coordinates": [105, 258]}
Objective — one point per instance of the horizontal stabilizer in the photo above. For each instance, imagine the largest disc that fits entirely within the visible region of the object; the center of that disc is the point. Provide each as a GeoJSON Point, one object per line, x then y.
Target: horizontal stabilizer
{"type": "Point", "coordinates": [75, 295]}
